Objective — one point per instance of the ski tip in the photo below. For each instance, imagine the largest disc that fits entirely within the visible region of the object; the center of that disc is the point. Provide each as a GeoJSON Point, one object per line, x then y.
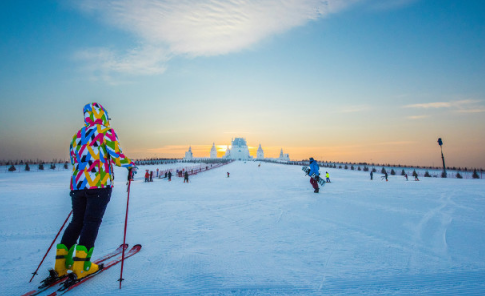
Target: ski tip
{"type": "Point", "coordinates": [122, 246]}
{"type": "Point", "coordinates": [135, 248]}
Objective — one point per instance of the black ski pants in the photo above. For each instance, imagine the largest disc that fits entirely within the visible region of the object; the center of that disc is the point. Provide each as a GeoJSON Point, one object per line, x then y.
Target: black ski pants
{"type": "Point", "coordinates": [88, 207]}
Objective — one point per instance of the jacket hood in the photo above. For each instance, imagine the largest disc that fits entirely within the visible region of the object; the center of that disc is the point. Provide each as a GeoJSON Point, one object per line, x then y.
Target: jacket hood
{"type": "Point", "coordinates": [94, 113]}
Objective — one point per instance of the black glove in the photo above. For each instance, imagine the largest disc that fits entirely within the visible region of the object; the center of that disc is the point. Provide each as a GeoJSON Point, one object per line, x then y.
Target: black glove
{"type": "Point", "coordinates": [317, 178]}
{"type": "Point", "coordinates": [130, 174]}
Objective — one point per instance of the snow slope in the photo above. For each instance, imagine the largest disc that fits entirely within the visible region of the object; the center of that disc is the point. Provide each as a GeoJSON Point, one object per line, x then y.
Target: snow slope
{"type": "Point", "coordinates": [260, 232]}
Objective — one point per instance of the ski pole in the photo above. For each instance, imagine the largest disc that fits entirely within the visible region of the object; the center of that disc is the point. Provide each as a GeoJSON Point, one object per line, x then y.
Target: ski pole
{"type": "Point", "coordinates": [126, 224]}
{"type": "Point", "coordinates": [35, 272]}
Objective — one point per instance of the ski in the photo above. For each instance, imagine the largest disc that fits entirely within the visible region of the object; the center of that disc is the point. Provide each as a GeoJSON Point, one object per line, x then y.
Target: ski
{"type": "Point", "coordinates": [135, 249]}
{"type": "Point", "coordinates": [41, 289]}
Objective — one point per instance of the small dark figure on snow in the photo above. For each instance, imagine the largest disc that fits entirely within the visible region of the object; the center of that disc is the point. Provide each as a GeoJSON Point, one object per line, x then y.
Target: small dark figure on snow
{"type": "Point", "coordinates": [385, 175]}
{"type": "Point", "coordinates": [371, 175]}
{"type": "Point", "coordinates": [228, 174]}
{"type": "Point", "coordinates": [406, 175]}
{"type": "Point", "coordinates": [151, 176]}
{"type": "Point", "coordinates": [169, 176]}
{"type": "Point", "coordinates": [147, 176]}
{"type": "Point", "coordinates": [186, 177]}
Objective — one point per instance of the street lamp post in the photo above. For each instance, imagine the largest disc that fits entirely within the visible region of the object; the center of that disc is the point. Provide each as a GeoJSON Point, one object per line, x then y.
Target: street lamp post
{"type": "Point", "coordinates": [440, 142]}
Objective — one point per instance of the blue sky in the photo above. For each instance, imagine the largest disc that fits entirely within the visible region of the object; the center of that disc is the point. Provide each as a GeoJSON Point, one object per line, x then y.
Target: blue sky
{"type": "Point", "coordinates": [368, 80]}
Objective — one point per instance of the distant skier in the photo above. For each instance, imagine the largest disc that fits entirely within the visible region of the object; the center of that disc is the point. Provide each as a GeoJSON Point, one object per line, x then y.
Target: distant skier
{"type": "Point", "coordinates": [314, 169]}
{"type": "Point", "coordinates": [186, 177]}
{"type": "Point", "coordinates": [406, 175]}
{"type": "Point", "coordinates": [93, 151]}
{"type": "Point", "coordinates": [385, 176]}
{"type": "Point", "coordinates": [415, 176]}
{"type": "Point", "coordinates": [371, 175]}
{"type": "Point", "coordinates": [170, 176]}
{"type": "Point", "coordinates": [147, 176]}
{"type": "Point", "coordinates": [327, 176]}
{"type": "Point", "coordinates": [228, 174]}
{"type": "Point", "coordinates": [151, 176]}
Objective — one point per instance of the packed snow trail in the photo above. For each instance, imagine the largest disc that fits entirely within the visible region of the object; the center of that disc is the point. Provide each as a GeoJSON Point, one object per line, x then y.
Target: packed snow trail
{"type": "Point", "coordinates": [261, 232]}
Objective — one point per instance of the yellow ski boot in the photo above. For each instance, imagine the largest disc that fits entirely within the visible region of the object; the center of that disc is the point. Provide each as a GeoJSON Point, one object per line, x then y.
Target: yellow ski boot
{"type": "Point", "coordinates": [62, 265]}
{"type": "Point", "coordinates": [83, 266]}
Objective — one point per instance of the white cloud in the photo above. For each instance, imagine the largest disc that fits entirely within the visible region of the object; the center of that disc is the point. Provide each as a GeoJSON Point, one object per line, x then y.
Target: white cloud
{"type": "Point", "coordinates": [195, 27]}
{"type": "Point", "coordinates": [144, 60]}
{"type": "Point", "coordinates": [453, 104]}
{"type": "Point", "coordinates": [430, 105]}
{"type": "Point", "coordinates": [461, 106]}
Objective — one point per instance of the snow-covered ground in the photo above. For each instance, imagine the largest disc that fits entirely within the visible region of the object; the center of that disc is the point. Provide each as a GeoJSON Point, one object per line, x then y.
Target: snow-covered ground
{"type": "Point", "coordinates": [260, 232]}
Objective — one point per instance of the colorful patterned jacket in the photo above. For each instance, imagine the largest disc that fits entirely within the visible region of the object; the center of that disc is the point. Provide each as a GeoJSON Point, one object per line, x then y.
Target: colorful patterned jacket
{"type": "Point", "coordinates": [94, 149]}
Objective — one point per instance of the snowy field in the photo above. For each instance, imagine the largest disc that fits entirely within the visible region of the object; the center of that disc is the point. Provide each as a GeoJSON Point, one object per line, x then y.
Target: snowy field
{"type": "Point", "coordinates": [260, 232]}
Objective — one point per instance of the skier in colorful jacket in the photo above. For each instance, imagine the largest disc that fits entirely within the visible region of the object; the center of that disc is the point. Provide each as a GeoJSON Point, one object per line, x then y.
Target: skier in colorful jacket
{"type": "Point", "coordinates": [314, 169]}
{"type": "Point", "coordinates": [93, 150]}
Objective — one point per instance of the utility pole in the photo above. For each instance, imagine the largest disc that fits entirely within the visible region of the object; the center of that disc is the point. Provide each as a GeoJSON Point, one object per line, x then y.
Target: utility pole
{"type": "Point", "coordinates": [440, 142]}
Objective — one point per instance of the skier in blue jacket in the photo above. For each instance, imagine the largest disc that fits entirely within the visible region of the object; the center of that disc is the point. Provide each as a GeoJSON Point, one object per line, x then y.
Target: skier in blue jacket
{"type": "Point", "coordinates": [314, 169]}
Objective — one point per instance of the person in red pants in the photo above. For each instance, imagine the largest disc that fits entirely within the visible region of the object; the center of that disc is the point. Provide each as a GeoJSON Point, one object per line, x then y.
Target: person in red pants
{"type": "Point", "coordinates": [314, 169]}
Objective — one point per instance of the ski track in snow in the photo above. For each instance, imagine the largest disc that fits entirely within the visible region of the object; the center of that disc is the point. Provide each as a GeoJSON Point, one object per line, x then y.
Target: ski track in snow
{"type": "Point", "coordinates": [262, 231]}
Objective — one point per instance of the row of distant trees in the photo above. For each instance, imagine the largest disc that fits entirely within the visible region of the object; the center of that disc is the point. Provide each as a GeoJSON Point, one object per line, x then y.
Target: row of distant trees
{"type": "Point", "coordinates": [30, 161]}
{"type": "Point", "coordinates": [155, 161]}
{"type": "Point", "coordinates": [40, 166]}
{"type": "Point", "coordinates": [61, 161]}
{"type": "Point", "coordinates": [14, 165]}
{"type": "Point", "coordinates": [428, 175]}
{"type": "Point", "coordinates": [207, 160]}
{"type": "Point", "coordinates": [349, 164]}
{"type": "Point", "coordinates": [57, 163]}
{"type": "Point", "coordinates": [366, 167]}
